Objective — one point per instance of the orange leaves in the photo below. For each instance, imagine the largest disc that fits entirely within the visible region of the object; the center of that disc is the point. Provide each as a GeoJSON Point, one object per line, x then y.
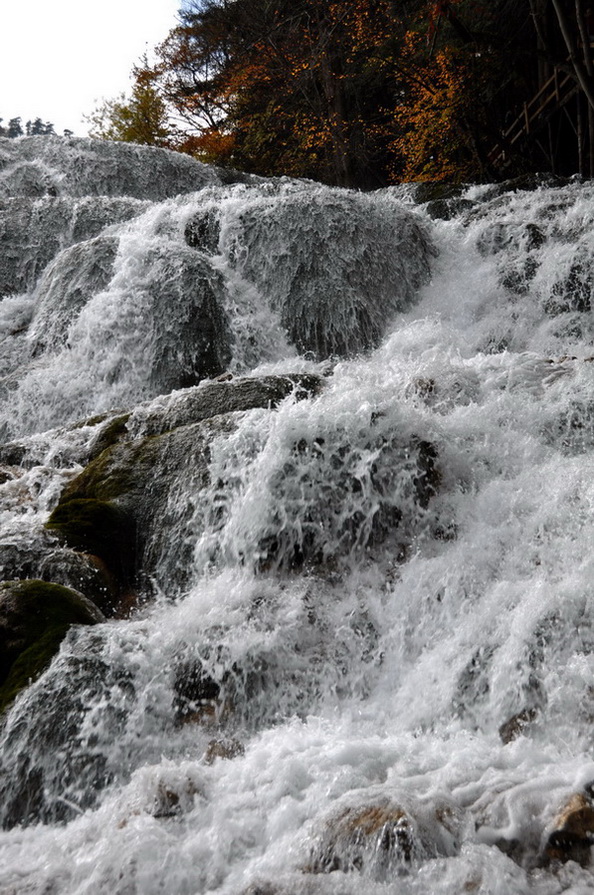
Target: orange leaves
{"type": "Point", "coordinates": [434, 126]}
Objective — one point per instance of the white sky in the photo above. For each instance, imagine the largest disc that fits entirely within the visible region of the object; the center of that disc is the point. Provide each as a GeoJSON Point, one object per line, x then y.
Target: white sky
{"type": "Point", "coordinates": [60, 58]}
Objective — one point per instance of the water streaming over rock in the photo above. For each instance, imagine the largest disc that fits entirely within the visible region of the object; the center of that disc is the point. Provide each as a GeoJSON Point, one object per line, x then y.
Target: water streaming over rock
{"type": "Point", "coordinates": [323, 463]}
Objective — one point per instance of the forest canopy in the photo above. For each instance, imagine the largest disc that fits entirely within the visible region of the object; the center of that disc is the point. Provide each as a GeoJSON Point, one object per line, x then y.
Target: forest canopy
{"type": "Point", "coordinates": [364, 93]}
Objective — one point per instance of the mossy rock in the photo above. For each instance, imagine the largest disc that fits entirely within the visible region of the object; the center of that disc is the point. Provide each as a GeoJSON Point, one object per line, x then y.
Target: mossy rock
{"type": "Point", "coordinates": [99, 528]}
{"type": "Point", "coordinates": [135, 481]}
{"type": "Point", "coordinates": [211, 399]}
{"type": "Point", "coordinates": [111, 434]}
{"type": "Point", "coordinates": [433, 190]}
{"type": "Point", "coordinates": [132, 504]}
{"type": "Point", "coordinates": [118, 470]}
{"type": "Point", "coordinates": [34, 619]}
{"type": "Point", "coordinates": [447, 209]}
{"type": "Point", "coordinates": [83, 572]}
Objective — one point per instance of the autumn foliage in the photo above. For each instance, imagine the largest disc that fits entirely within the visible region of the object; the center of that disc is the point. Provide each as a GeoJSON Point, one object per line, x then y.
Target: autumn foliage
{"type": "Point", "coordinates": [358, 93]}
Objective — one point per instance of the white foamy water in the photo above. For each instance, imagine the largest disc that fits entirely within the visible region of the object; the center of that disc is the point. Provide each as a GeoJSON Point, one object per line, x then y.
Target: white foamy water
{"type": "Point", "coordinates": [368, 639]}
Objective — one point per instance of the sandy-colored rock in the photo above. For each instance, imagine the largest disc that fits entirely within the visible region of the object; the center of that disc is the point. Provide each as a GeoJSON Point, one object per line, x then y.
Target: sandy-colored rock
{"type": "Point", "coordinates": [572, 833]}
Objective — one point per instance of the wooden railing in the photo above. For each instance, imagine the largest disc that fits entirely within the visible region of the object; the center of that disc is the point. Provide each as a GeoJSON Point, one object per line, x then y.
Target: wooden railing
{"type": "Point", "coordinates": [553, 94]}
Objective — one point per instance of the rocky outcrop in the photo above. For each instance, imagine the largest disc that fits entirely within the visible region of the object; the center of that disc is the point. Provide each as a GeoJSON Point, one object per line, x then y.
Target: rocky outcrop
{"type": "Point", "coordinates": [75, 166]}
{"type": "Point", "coordinates": [341, 270]}
{"type": "Point", "coordinates": [131, 504]}
{"type": "Point", "coordinates": [34, 619]}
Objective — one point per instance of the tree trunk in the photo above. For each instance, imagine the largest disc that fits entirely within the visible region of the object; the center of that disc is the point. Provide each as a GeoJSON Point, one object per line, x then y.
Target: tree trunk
{"type": "Point", "coordinates": [582, 77]}
{"type": "Point", "coordinates": [589, 65]}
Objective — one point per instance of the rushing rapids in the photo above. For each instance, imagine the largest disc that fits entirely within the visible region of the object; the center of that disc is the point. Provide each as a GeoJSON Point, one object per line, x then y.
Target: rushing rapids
{"type": "Point", "coordinates": [296, 511]}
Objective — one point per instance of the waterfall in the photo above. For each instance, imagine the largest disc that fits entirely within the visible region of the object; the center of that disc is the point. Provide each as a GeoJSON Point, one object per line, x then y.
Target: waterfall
{"type": "Point", "coordinates": [296, 514]}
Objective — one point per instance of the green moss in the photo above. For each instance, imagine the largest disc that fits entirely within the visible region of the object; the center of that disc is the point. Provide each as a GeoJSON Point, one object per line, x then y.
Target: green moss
{"type": "Point", "coordinates": [31, 663]}
{"type": "Point", "coordinates": [118, 470]}
{"type": "Point", "coordinates": [115, 431]}
{"type": "Point", "coordinates": [34, 619]}
{"type": "Point", "coordinates": [97, 527]}
{"type": "Point", "coordinates": [430, 190]}
{"type": "Point", "coordinates": [103, 479]}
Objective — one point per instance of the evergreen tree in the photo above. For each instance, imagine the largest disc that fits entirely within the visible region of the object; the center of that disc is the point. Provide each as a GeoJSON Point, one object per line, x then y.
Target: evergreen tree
{"type": "Point", "coordinates": [14, 128]}
{"type": "Point", "coordinates": [32, 128]}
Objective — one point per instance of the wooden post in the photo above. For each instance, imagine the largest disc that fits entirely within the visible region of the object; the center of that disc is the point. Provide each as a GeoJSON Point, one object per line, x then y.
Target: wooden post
{"type": "Point", "coordinates": [580, 135]}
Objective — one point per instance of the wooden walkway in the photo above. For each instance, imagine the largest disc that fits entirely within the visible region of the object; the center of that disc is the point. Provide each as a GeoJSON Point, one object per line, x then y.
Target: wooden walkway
{"type": "Point", "coordinates": [553, 95]}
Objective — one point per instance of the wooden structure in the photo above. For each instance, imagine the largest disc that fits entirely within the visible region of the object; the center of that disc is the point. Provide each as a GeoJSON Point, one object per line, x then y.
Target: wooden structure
{"type": "Point", "coordinates": [535, 121]}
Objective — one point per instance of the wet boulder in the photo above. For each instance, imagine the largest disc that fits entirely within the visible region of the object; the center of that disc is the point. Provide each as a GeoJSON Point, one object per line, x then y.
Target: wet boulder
{"type": "Point", "coordinates": [573, 289]}
{"type": "Point", "coordinates": [190, 334]}
{"type": "Point", "coordinates": [67, 284]}
{"type": "Point", "coordinates": [381, 838]}
{"type": "Point", "coordinates": [62, 744]}
{"type": "Point", "coordinates": [572, 831]}
{"type": "Point", "coordinates": [224, 748]}
{"type": "Point", "coordinates": [203, 232]}
{"type": "Point", "coordinates": [447, 209]}
{"type": "Point", "coordinates": [228, 395]}
{"type": "Point", "coordinates": [344, 266]}
{"type": "Point", "coordinates": [42, 558]}
{"type": "Point", "coordinates": [336, 498]}
{"type": "Point", "coordinates": [501, 237]}
{"type": "Point", "coordinates": [147, 486]}
{"type": "Point", "coordinates": [98, 528]}
{"type": "Point", "coordinates": [518, 725]}
{"type": "Point", "coordinates": [197, 694]}
{"type": "Point", "coordinates": [35, 616]}
{"type": "Point", "coordinates": [79, 166]}
{"type": "Point", "coordinates": [34, 232]}
{"type": "Point", "coordinates": [132, 504]}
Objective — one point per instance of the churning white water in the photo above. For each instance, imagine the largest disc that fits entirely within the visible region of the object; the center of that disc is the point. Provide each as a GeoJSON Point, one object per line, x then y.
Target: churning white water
{"type": "Point", "coordinates": [403, 672]}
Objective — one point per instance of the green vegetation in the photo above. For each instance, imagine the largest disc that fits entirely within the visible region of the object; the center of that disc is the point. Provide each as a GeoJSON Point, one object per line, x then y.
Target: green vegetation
{"type": "Point", "coordinates": [142, 118]}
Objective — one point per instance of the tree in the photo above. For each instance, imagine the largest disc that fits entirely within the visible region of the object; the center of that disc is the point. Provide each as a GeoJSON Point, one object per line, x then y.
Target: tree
{"type": "Point", "coordinates": [14, 128]}
{"type": "Point", "coordinates": [351, 92]}
{"type": "Point", "coordinates": [293, 86]}
{"type": "Point", "coordinates": [142, 118]}
{"type": "Point", "coordinates": [358, 93]}
{"type": "Point", "coordinates": [38, 128]}
{"type": "Point", "coordinates": [472, 63]}
{"type": "Point", "coordinates": [577, 30]}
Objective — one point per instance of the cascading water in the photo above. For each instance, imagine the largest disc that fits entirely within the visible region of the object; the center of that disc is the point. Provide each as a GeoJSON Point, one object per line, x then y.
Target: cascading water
{"type": "Point", "coordinates": [325, 463]}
